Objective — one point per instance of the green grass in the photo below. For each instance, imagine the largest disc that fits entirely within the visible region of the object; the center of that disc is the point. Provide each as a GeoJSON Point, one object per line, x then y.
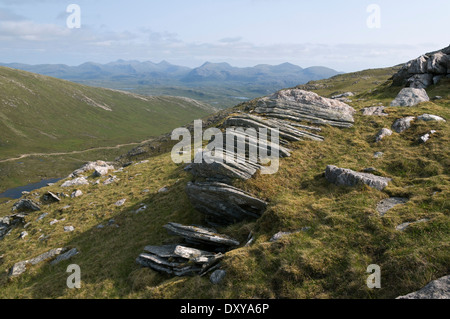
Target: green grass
{"type": "Point", "coordinates": [328, 261]}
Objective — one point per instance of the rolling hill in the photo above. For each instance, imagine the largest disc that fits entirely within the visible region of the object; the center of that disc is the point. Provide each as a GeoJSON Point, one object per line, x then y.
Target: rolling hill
{"type": "Point", "coordinates": [218, 84]}
{"type": "Point", "coordinates": [40, 114]}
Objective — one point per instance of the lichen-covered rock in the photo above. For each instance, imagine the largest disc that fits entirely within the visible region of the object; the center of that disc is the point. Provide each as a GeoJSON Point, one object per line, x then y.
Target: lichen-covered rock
{"type": "Point", "coordinates": [374, 111]}
{"type": "Point", "coordinates": [410, 97]}
{"type": "Point", "coordinates": [347, 177]}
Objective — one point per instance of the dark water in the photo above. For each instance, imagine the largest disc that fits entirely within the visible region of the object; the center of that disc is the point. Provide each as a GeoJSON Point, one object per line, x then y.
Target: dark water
{"type": "Point", "coordinates": [16, 193]}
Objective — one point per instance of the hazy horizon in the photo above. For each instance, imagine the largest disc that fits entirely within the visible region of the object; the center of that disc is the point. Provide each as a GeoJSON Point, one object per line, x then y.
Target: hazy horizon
{"type": "Point", "coordinates": [344, 36]}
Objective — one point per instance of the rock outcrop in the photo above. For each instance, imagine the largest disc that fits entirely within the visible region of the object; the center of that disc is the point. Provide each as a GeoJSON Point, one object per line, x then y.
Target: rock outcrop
{"type": "Point", "coordinates": [347, 177]}
{"type": "Point", "coordinates": [424, 71]}
{"type": "Point", "coordinates": [298, 105]}
{"type": "Point", "coordinates": [100, 167]}
{"type": "Point", "coordinates": [374, 111]}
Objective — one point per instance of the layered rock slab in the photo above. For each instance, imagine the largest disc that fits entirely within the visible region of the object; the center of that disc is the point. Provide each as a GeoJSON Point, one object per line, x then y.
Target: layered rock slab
{"type": "Point", "coordinates": [299, 105]}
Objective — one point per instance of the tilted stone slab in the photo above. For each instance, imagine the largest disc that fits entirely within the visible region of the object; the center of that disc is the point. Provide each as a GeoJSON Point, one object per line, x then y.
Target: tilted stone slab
{"type": "Point", "coordinates": [201, 235]}
{"type": "Point", "coordinates": [225, 204]}
{"type": "Point", "coordinates": [299, 105]}
{"type": "Point", "coordinates": [347, 177]}
{"type": "Point", "coordinates": [223, 166]}
{"type": "Point", "coordinates": [286, 131]}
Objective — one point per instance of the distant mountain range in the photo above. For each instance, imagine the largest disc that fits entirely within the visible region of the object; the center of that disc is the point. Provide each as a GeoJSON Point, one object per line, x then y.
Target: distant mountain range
{"type": "Point", "coordinates": [215, 83]}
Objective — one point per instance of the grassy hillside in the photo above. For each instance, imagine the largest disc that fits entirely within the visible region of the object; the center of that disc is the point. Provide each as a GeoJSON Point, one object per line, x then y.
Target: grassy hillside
{"type": "Point", "coordinates": [328, 261]}
{"type": "Point", "coordinates": [39, 114]}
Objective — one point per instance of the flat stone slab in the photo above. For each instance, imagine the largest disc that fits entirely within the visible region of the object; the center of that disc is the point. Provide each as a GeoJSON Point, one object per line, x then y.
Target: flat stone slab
{"type": "Point", "coordinates": [404, 226]}
{"type": "Point", "coordinates": [75, 182]}
{"type": "Point", "coordinates": [437, 289]}
{"type": "Point", "coordinates": [387, 204]}
{"type": "Point", "coordinates": [374, 111]}
{"type": "Point", "coordinates": [347, 177]}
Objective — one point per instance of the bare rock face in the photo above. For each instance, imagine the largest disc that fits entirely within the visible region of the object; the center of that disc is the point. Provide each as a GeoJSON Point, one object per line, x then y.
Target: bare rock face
{"type": "Point", "coordinates": [299, 105]}
{"type": "Point", "coordinates": [347, 177]}
{"type": "Point", "coordinates": [410, 97]}
{"type": "Point", "coordinates": [437, 289]}
{"type": "Point", "coordinates": [224, 204]}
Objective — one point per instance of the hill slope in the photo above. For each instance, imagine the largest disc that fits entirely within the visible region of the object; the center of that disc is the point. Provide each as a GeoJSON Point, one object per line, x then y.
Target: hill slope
{"type": "Point", "coordinates": [328, 259]}
{"type": "Point", "coordinates": [39, 114]}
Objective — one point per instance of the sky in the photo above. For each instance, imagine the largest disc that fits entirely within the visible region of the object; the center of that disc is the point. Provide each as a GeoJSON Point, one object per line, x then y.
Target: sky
{"type": "Point", "coordinates": [346, 35]}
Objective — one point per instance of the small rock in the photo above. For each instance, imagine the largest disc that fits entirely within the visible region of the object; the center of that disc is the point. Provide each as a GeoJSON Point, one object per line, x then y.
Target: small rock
{"type": "Point", "coordinates": [382, 134]}
{"type": "Point", "coordinates": [217, 276]}
{"type": "Point", "coordinates": [437, 97]}
{"type": "Point", "coordinates": [163, 190]}
{"type": "Point", "coordinates": [430, 117]}
{"type": "Point", "coordinates": [141, 209]}
{"type": "Point", "coordinates": [50, 197]}
{"type": "Point", "coordinates": [374, 111]}
{"type": "Point", "coordinates": [23, 235]}
{"type": "Point", "coordinates": [121, 202]}
{"type": "Point", "coordinates": [378, 155]}
{"type": "Point", "coordinates": [65, 256]}
{"type": "Point", "coordinates": [427, 136]}
{"type": "Point", "coordinates": [403, 226]}
{"type": "Point", "coordinates": [401, 125]}
{"type": "Point", "coordinates": [53, 222]}
{"type": "Point", "coordinates": [42, 217]}
{"type": "Point", "coordinates": [76, 194]}
{"type": "Point", "coordinates": [69, 229]}
{"type": "Point", "coordinates": [110, 180]}
{"type": "Point", "coordinates": [75, 182]}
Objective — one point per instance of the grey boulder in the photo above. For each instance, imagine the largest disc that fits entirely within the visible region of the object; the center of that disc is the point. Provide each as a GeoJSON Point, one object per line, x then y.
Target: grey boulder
{"type": "Point", "coordinates": [410, 97]}
{"type": "Point", "coordinates": [347, 177]}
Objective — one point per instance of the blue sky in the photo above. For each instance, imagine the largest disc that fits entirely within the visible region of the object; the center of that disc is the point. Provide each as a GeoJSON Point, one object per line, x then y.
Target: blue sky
{"type": "Point", "coordinates": [240, 32]}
